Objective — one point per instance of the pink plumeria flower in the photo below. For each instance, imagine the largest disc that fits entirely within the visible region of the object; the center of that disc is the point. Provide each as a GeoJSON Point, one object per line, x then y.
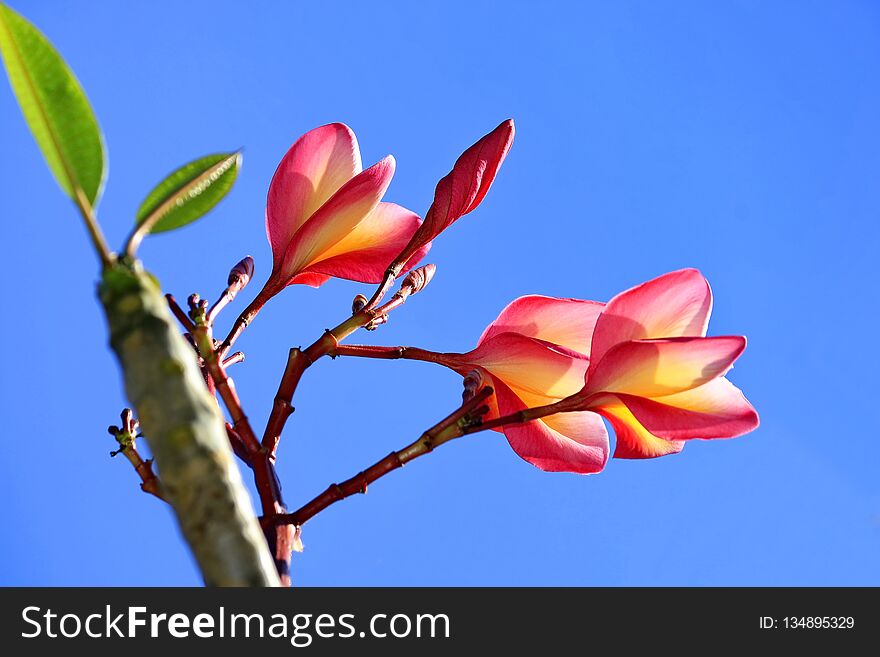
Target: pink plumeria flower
{"type": "Point", "coordinates": [536, 353]}
{"type": "Point", "coordinates": [654, 374]}
{"type": "Point", "coordinates": [325, 216]}
{"type": "Point", "coordinates": [642, 361]}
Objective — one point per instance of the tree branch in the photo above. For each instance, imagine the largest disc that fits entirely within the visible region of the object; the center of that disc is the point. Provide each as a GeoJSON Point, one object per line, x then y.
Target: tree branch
{"type": "Point", "coordinates": [268, 487]}
{"type": "Point", "coordinates": [185, 431]}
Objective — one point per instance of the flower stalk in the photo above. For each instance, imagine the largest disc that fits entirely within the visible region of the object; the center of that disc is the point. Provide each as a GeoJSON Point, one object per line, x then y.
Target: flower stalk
{"type": "Point", "coordinates": [449, 428]}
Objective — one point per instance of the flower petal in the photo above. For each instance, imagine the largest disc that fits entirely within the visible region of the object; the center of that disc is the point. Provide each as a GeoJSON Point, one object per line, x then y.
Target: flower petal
{"type": "Point", "coordinates": [365, 253]}
{"type": "Point", "coordinates": [674, 305]}
{"type": "Point", "coordinates": [566, 322]}
{"type": "Point", "coordinates": [566, 442]}
{"type": "Point", "coordinates": [314, 168]}
{"type": "Point", "coordinates": [652, 368]}
{"type": "Point", "coordinates": [632, 440]}
{"type": "Point", "coordinates": [338, 217]}
{"type": "Point", "coordinates": [716, 409]}
{"type": "Point", "coordinates": [310, 278]}
{"type": "Point", "coordinates": [528, 364]}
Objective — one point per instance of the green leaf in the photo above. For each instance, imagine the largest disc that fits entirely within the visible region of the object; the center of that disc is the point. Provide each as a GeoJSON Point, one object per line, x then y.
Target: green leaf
{"type": "Point", "coordinates": [189, 192]}
{"type": "Point", "coordinates": [55, 107]}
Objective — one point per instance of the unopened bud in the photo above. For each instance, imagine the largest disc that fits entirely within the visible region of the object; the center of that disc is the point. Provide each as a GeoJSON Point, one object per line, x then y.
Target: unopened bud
{"type": "Point", "coordinates": [376, 322]}
{"type": "Point", "coordinates": [358, 303]}
{"type": "Point", "coordinates": [241, 274]}
{"type": "Point", "coordinates": [296, 543]}
{"type": "Point", "coordinates": [472, 383]}
{"type": "Point", "coordinates": [419, 278]}
{"type": "Point", "coordinates": [113, 430]}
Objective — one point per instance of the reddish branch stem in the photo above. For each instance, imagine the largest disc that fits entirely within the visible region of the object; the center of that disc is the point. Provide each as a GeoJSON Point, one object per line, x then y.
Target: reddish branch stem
{"type": "Point", "coordinates": [260, 454]}
{"type": "Point", "coordinates": [237, 445]}
{"type": "Point", "coordinates": [126, 436]}
{"type": "Point", "coordinates": [144, 468]}
{"type": "Point", "coordinates": [388, 353]}
{"type": "Point", "coordinates": [225, 298]}
{"type": "Point", "coordinates": [237, 357]}
{"type": "Point", "coordinates": [242, 322]}
{"type": "Point", "coordinates": [414, 353]}
{"type": "Point", "coordinates": [226, 389]}
{"type": "Point", "coordinates": [181, 316]}
{"type": "Point", "coordinates": [387, 282]}
{"type": "Point", "coordinates": [265, 477]}
{"type": "Point", "coordinates": [449, 428]}
{"type": "Point", "coordinates": [299, 360]}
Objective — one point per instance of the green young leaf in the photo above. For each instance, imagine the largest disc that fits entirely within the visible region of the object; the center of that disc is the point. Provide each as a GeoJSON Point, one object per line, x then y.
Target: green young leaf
{"type": "Point", "coordinates": [55, 107]}
{"type": "Point", "coordinates": [189, 192]}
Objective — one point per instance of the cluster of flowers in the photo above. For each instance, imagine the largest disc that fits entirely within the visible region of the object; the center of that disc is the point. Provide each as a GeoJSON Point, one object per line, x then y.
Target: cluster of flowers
{"type": "Point", "coordinates": [642, 360]}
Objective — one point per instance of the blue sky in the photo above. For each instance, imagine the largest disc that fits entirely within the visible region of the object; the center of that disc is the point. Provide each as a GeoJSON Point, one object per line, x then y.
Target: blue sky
{"type": "Point", "coordinates": [740, 138]}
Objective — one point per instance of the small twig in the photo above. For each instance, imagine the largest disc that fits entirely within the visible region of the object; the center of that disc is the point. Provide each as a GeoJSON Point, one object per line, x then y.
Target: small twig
{"type": "Point", "coordinates": [299, 360]}
{"type": "Point", "coordinates": [126, 437]}
{"type": "Point", "coordinates": [177, 311]}
{"type": "Point", "coordinates": [388, 279]}
{"type": "Point", "coordinates": [237, 357]}
{"type": "Point", "coordinates": [242, 322]}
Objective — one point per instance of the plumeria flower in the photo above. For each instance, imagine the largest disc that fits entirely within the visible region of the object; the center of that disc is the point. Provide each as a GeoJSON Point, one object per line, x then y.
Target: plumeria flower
{"type": "Point", "coordinates": [325, 216]}
{"type": "Point", "coordinates": [654, 374]}
{"type": "Point", "coordinates": [642, 361]}
{"type": "Point", "coordinates": [536, 353]}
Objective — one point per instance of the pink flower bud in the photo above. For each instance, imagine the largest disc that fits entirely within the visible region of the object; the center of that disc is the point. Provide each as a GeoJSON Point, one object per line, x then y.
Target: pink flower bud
{"type": "Point", "coordinates": [463, 188]}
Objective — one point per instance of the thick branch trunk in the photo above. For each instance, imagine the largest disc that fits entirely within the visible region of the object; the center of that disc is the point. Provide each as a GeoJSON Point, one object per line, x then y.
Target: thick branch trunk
{"type": "Point", "coordinates": [185, 431]}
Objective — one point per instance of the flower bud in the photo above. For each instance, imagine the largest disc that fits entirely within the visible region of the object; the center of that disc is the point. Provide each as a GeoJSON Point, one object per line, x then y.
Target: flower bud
{"type": "Point", "coordinates": [419, 278]}
{"type": "Point", "coordinates": [462, 189]}
{"type": "Point", "coordinates": [241, 274]}
{"type": "Point", "coordinates": [473, 381]}
{"type": "Point", "coordinates": [358, 303]}
{"type": "Point", "coordinates": [377, 322]}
